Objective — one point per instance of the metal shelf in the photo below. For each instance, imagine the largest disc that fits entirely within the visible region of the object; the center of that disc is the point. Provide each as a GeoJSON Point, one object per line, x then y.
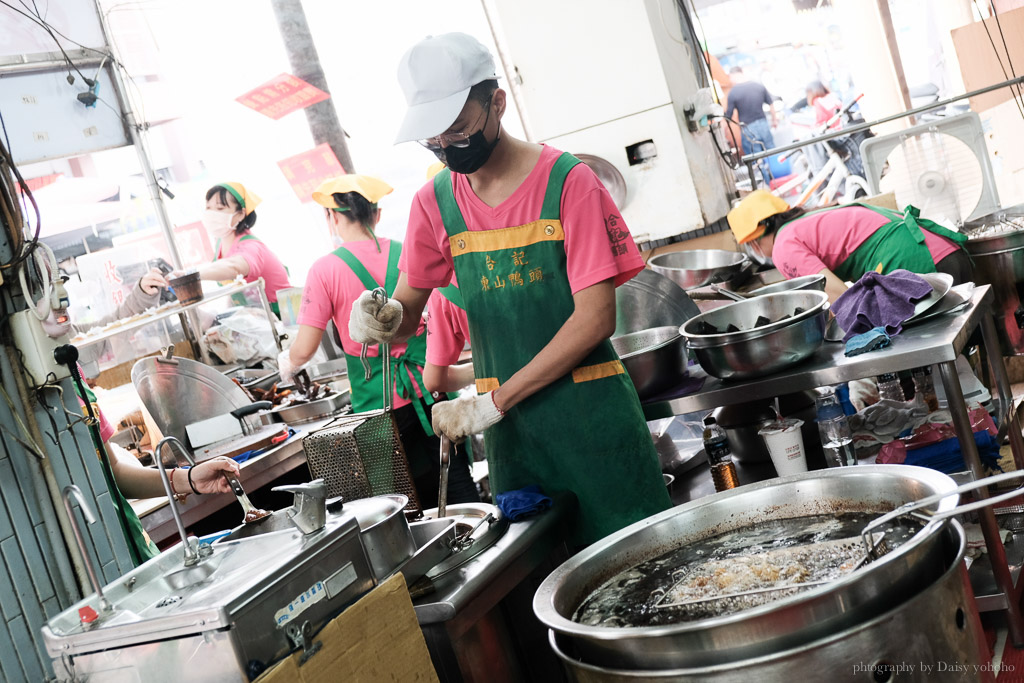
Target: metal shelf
{"type": "Point", "coordinates": [986, 594]}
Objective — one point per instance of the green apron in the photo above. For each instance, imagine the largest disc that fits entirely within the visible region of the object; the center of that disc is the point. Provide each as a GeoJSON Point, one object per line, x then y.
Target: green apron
{"type": "Point", "coordinates": [585, 431]}
{"type": "Point", "coordinates": [140, 546]}
{"type": "Point", "coordinates": [369, 394]}
{"type": "Point", "coordinates": [239, 299]}
{"type": "Point", "coordinates": [897, 244]}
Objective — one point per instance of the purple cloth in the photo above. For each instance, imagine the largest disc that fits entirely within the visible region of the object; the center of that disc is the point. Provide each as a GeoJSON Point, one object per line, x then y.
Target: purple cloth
{"type": "Point", "coordinates": [879, 301]}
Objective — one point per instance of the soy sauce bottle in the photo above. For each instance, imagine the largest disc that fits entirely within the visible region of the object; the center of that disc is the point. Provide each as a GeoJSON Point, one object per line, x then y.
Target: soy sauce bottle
{"type": "Point", "coordinates": [716, 445]}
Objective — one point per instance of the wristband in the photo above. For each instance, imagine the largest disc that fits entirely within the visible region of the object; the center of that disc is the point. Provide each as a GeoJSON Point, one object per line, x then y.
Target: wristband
{"type": "Point", "coordinates": [190, 484]}
{"type": "Point", "coordinates": [495, 404]}
{"type": "Point", "coordinates": [180, 497]}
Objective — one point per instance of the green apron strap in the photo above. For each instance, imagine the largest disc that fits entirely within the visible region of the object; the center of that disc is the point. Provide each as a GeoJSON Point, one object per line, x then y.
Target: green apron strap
{"type": "Point", "coordinates": [912, 216]}
{"type": "Point", "coordinates": [453, 294]}
{"type": "Point", "coordinates": [357, 267]}
{"type": "Point", "coordinates": [391, 277]}
{"type": "Point", "coordinates": [454, 223]}
{"type": "Point", "coordinates": [551, 209]}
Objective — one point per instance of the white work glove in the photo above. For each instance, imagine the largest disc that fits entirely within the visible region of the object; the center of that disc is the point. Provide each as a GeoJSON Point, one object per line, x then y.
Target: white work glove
{"type": "Point", "coordinates": [465, 415]}
{"type": "Point", "coordinates": [286, 368]}
{"type": "Point", "coordinates": [371, 323]}
{"type": "Point", "coordinates": [863, 392]}
{"type": "Point", "coordinates": [886, 419]}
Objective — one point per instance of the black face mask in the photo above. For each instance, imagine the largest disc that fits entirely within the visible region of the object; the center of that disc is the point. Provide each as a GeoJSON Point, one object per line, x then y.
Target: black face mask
{"type": "Point", "coordinates": [471, 158]}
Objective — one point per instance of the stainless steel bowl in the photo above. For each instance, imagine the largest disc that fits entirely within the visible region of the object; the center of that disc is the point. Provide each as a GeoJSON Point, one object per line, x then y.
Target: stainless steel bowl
{"type": "Point", "coordinates": [698, 267]}
{"type": "Point", "coordinates": [383, 531]}
{"type": "Point", "coordinates": [811, 282]}
{"type": "Point", "coordinates": [651, 300]}
{"type": "Point", "coordinates": [776, 350]}
{"type": "Point", "coordinates": [766, 629]}
{"type": "Point", "coordinates": [744, 315]}
{"type": "Point", "coordinates": [655, 359]}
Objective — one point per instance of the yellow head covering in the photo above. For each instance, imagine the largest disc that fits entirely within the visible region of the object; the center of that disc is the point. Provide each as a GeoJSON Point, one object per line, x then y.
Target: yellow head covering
{"type": "Point", "coordinates": [434, 169]}
{"type": "Point", "coordinates": [372, 189]}
{"type": "Point", "coordinates": [753, 209]}
{"type": "Point", "coordinates": [246, 199]}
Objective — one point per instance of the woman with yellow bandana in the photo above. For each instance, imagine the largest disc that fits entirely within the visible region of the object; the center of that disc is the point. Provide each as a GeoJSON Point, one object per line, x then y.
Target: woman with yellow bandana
{"type": "Point", "coordinates": [229, 217]}
{"type": "Point", "coordinates": [362, 261]}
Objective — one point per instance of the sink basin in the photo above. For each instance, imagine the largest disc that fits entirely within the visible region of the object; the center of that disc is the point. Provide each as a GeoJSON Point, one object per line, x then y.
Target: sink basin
{"type": "Point", "coordinates": [189, 576]}
{"type": "Point", "coordinates": [467, 516]}
{"type": "Point", "coordinates": [277, 521]}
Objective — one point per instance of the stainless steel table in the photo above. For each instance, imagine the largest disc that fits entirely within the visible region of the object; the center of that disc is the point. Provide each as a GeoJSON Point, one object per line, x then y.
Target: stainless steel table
{"type": "Point", "coordinates": [479, 623]}
{"type": "Point", "coordinates": [938, 341]}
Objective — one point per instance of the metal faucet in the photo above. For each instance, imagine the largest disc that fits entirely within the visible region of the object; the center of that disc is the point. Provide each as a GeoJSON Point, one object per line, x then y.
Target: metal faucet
{"type": "Point", "coordinates": [191, 553]}
{"type": "Point", "coordinates": [309, 509]}
{"type": "Point", "coordinates": [68, 492]}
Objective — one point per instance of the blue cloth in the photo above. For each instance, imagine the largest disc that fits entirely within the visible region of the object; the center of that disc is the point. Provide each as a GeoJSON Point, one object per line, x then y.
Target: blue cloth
{"type": "Point", "coordinates": [876, 300]}
{"type": "Point", "coordinates": [945, 456]}
{"type": "Point", "coordinates": [522, 503]}
{"type": "Point", "coordinates": [873, 339]}
{"type": "Point", "coordinates": [247, 455]}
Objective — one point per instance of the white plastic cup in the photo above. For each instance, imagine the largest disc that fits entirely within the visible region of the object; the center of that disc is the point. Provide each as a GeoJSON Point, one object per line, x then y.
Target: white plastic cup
{"type": "Point", "coordinates": [785, 444]}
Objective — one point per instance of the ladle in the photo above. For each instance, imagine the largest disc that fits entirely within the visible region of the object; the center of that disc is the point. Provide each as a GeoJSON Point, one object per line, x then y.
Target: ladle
{"type": "Point", "coordinates": [252, 513]}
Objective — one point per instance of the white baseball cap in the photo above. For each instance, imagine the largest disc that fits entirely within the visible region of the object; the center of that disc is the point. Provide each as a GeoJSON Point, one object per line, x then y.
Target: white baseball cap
{"type": "Point", "coordinates": [436, 75]}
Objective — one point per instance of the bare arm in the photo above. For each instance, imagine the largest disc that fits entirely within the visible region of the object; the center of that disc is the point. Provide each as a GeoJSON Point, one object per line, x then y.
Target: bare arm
{"type": "Point", "coordinates": [413, 300]}
{"type": "Point", "coordinates": [225, 269]}
{"type": "Point", "coordinates": [305, 344]}
{"type": "Point", "coordinates": [775, 117]}
{"type": "Point", "coordinates": [136, 481]}
{"type": "Point", "coordinates": [592, 322]}
{"type": "Point", "coordinates": [834, 286]}
{"type": "Point", "coordinates": [446, 378]}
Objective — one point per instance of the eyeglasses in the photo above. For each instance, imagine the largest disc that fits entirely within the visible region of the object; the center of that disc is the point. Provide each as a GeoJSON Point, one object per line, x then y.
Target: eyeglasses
{"type": "Point", "coordinates": [455, 139]}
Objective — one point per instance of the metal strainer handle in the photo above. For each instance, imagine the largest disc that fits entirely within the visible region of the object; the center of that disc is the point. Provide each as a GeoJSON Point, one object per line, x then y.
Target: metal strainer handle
{"type": "Point", "coordinates": [916, 506]}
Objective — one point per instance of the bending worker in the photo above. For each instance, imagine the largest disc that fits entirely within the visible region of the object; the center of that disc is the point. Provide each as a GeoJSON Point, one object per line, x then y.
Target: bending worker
{"type": "Point", "coordinates": [229, 217]}
{"type": "Point", "coordinates": [844, 242]}
{"type": "Point", "coordinates": [538, 247]}
{"type": "Point", "coordinates": [360, 263]}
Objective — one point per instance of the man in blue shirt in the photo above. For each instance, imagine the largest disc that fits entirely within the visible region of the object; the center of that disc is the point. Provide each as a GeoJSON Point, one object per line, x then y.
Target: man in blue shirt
{"type": "Point", "coordinates": [746, 101]}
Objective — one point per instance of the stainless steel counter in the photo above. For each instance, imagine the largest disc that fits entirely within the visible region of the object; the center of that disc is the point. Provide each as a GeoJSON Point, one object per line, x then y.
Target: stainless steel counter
{"type": "Point", "coordinates": [255, 473]}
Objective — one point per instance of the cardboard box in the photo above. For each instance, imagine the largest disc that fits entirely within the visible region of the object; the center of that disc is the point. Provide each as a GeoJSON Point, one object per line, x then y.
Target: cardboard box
{"type": "Point", "coordinates": [981, 65]}
{"type": "Point", "coordinates": [375, 639]}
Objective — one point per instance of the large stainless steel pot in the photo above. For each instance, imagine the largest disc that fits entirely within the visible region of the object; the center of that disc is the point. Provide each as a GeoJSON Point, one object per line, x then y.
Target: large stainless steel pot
{"type": "Point", "coordinates": [999, 261]}
{"type": "Point", "coordinates": [655, 359]}
{"type": "Point", "coordinates": [761, 631]}
{"type": "Point", "coordinates": [698, 267]}
{"type": "Point", "coordinates": [651, 300]}
{"type": "Point", "coordinates": [941, 616]}
{"type": "Point", "coordinates": [383, 531]}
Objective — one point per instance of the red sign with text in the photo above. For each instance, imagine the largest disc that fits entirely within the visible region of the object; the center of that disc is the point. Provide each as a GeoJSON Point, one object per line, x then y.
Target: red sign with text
{"type": "Point", "coordinates": [307, 170]}
{"type": "Point", "coordinates": [282, 95]}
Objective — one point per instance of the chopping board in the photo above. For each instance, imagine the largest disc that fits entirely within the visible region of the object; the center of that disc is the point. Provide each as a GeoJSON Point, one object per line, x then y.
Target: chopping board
{"type": "Point", "coordinates": [232, 447]}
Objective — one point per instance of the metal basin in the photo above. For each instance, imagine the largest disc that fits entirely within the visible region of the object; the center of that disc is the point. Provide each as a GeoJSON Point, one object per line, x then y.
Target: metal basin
{"type": "Point", "coordinates": [766, 629]}
{"type": "Point", "coordinates": [805, 282]}
{"type": "Point", "coordinates": [999, 261]}
{"type": "Point", "coordinates": [655, 359]}
{"type": "Point", "coordinates": [698, 267]}
{"type": "Point", "coordinates": [467, 516]}
{"type": "Point", "coordinates": [383, 531]}
{"type": "Point", "coordinates": [651, 300]}
{"type": "Point", "coordinates": [941, 616]}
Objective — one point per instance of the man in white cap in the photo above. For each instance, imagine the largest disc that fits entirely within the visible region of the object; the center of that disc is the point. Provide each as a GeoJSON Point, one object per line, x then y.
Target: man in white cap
{"type": "Point", "coordinates": [538, 247]}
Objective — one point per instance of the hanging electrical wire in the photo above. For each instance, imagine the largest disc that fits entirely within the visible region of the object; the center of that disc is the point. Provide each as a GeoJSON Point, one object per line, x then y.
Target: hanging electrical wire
{"type": "Point", "coordinates": [21, 249]}
{"type": "Point", "coordinates": [1009, 60]}
{"type": "Point", "coordinates": [999, 59]}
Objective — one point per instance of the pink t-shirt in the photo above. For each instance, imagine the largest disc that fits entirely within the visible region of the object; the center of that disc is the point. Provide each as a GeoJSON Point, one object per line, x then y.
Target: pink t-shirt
{"type": "Point", "coordinates": [263, 263]}
{"type": "Point", "coordinates": [331, 288]}
{"type": "Point", "coordinates": [598, 245]}
{"type": "Point", "coordinates": [447, 330]}
{"type": "Point", "coordinates": [822, 240]}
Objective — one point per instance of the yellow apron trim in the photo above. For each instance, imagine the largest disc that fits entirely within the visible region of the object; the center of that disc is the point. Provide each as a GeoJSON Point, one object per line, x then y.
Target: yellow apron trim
{"type": "Point", "coordinates": [469, 241]}
{"type": "Point", "coordinates": [587, 373]}
{"type": "Point", "coordinates": [487, 384]}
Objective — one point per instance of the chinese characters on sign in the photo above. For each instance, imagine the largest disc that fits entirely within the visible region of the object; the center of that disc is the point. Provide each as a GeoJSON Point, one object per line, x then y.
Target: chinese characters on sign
{"type": "Point", "coordinates": [307, 170]}
{"type": "Point", "coordinates": [282, 95]}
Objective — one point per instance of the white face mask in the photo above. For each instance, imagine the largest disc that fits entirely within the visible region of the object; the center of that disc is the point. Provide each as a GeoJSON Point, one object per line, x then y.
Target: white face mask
{"type": "Point", "coordinates": [218, 223]}
{"type": "Point", "coordinates": [337, 241]}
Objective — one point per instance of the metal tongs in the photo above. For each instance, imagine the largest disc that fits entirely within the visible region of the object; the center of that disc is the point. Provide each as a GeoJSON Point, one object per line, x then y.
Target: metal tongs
{"type": "Point", "coordinates": [875, 549]}
{"type": "Point", "coordinates": [253, 514]}
{"type": "Point", "coordinates": [381, 297]}
{"type": "Point", "coordinates": [442, 491]}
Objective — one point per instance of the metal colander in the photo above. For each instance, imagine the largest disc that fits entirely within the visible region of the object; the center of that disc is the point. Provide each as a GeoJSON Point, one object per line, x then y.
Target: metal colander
{"type": "Point", "coordinates": [361, 455]}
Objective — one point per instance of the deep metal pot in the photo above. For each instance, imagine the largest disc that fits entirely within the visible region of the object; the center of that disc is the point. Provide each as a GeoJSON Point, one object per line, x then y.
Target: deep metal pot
{"type": "Point", "coordinates": [941, 616]}
{"type": "Point", "coordinates": [999, 261]}
{"type": "Point", "coordinates": [655, 359]}
{"type": "Point", "coordinates": [651, 300]}
{"type": "Point", "coordinates": [698, 267]}
{"type": "Point", "coordinates": [761, 631]}
{"type": "Point", "coordinates": [383, 531]}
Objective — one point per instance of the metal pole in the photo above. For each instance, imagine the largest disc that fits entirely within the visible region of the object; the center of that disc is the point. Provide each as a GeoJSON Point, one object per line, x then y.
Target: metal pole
{"type": "Point", "coordinates": [1007, 413]}
{"type": "Point", "coordinates": [135, 133]}
{"type": "Point", "coordinates": [749, 158]}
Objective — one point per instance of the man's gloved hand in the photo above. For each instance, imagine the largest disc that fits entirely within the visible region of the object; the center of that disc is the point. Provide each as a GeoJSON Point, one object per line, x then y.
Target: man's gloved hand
{"type": "Point", "coordinates": [371, 323]}
{"type": "Point", "coordinates": [286, 368]}
{"type": "Point", "coordinates": [465, 415]}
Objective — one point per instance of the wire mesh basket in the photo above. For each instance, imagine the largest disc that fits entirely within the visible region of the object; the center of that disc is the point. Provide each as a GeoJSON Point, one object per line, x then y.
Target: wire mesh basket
{"type": "Point", "coordinates": [361, 455]}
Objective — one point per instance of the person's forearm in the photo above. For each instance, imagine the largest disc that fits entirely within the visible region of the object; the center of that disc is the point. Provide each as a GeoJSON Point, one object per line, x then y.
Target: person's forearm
{"type": "Point", "coordinates": [460, 376]}
{"type": "Point", "coordinates": [223, 269]}
{"type": "Point", "coordinates": [447, 378]}
{"type": "Point", "coordinates": [592, 322]}
{"type": "Point", "coordinates": [413, 300]}
{"type": "Point", "coordinates": [834, 287]}
{"type": "Point", "coordinates": [306, 342]}
{"type": "Point", "coordinates": [143, 482]}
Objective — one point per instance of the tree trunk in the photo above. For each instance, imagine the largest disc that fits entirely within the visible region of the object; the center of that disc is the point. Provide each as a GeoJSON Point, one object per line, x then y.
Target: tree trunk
{"type": "Point", "coordinates": [305, 63]}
